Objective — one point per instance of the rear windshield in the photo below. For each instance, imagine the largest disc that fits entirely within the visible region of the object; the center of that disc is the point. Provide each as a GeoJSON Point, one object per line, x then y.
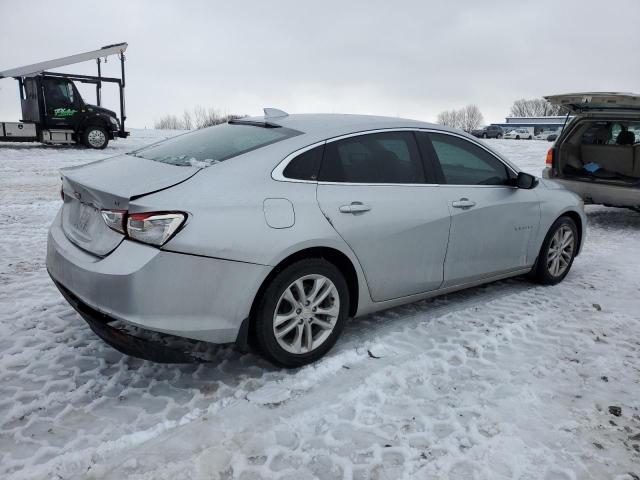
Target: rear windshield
{"type": "Point", "coordinates": [211, 145]}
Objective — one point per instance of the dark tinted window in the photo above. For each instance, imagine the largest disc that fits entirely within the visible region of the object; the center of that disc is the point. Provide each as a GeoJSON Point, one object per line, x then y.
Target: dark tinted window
{"type": "Point", "coordinates": [214, 144]}
{"type": "Point", "coordinates": [58, 93]}
{"type": "Point", "coordinates": [305, 166]}
{"type": "Point", "coordinates": [464, 163]}
{"type": "Point", "coordinates": [375, 158]}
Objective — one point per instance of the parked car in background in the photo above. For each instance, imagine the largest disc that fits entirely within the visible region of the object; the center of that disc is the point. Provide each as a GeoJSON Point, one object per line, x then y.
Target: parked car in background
{"type": "Point", "coordinates": [273, 230]}
{"type": "Point", "coordinates": [597, 155]}
{"type": "Point", "coordinates": [490, 131]}
{"type": "Point", "coordinates": [553, 137]}
{"type": "Point", "coordinates": [544, 135]}
{"type": "Point", "coordinates": [519, 134]}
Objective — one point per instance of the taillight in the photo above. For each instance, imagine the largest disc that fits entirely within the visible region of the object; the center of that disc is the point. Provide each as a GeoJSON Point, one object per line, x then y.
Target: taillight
{"type": "Point", "coordinates": [115, 219]}
{"type": "Point", "coordinates": [550, 155]}
{"type": "Point", "coordinates": [155, 228]}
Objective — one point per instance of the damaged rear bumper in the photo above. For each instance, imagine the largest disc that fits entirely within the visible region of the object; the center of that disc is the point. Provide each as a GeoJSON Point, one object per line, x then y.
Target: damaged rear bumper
{"type": "Point", "coordinates": [121, 340]}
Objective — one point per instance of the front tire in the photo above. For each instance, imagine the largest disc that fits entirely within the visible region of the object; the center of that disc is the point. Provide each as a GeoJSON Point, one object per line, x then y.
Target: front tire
{"type": "Point", "coordinates": [557, 252]}
{"type": "Point", "coordinates": [95, 137]}
{"type": "Point", "coordinates": [517, 137]}
{"type": "Point", "coordinates": [301, 313]}
{"type": "Point", "coordinates": [499, 137]}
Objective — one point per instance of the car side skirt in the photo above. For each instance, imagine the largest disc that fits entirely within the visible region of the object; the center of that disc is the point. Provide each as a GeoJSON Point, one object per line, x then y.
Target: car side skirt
{"type": "Point", "coordinates": [378, 306]}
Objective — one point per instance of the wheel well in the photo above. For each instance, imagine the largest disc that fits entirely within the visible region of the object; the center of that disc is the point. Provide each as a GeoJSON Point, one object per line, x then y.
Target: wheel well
{"type": "Point", "coordinates": [336, 257]}
{"type": "Point", "coordinates": [578, 221]}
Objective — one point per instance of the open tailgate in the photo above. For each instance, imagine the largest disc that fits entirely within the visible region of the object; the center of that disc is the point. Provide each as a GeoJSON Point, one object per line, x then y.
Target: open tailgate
{"type": "Point", "coordinates": [596, 101]}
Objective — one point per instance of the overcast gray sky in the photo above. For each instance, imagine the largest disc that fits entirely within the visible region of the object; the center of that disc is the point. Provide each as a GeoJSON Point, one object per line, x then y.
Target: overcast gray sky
{"type": "Point", "coordinates": [401, 58]}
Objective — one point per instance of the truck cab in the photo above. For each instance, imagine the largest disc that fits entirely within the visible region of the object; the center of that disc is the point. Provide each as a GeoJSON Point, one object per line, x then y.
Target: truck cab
{"type": "Point", "coordinates": [55, 104]}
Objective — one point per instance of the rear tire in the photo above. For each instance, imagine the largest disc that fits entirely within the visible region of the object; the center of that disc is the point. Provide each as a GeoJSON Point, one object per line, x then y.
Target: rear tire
{"type": "Point", "coordinates": [517, 137]}
{"type": "Point", "coordinates": [557, 252]}
{"type": "Point", "coordinates": [301, 313]}
{"type": "Point", "coordinates": [95, 137]}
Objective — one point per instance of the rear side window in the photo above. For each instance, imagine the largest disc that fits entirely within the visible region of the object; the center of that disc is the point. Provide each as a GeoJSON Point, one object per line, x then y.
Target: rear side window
{"type": "Point", "coordinates": [464, 163]}
{"type": "Point", "coordinates": [214, 144]}
{"type": "Point", "coordinates": [390, 157]}
{"type": "Point", "coordinates": [305, 166]}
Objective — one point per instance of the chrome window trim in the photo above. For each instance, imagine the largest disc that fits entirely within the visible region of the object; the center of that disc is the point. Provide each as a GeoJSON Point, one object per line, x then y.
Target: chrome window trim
{"type": "Point", "coordinates": [277, 173]}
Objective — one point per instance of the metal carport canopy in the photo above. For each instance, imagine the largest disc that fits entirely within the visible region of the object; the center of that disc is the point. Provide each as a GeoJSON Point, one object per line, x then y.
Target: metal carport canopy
{"type": "Point", "coordinates": [36, 68]}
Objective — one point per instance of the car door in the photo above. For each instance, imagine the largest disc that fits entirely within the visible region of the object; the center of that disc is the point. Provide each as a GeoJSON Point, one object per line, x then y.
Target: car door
{"type": "Point", "coordinates": [61, 101]}
{"type": "Point", "coordinates": [492, 221]}
{"type": "Point", "coordinates": [373, 189]}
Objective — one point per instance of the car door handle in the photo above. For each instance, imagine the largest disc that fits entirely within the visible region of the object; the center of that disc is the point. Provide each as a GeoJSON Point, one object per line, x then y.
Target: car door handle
{"type": "Point", "coordinates": [463, 203]}
{"type": "Point", "coordinates": [355, 207]}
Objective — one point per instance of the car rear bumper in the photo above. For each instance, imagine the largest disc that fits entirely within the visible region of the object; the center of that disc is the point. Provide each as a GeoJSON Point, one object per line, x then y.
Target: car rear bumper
{"type": "Point", "coordinates": [184, 295]}
{"type": "Point", "coordinates": [599, 193]}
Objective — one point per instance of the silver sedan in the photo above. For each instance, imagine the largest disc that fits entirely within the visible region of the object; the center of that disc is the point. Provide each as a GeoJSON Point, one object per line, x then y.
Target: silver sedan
{"type": "Point", "coordinates": [272, 231]}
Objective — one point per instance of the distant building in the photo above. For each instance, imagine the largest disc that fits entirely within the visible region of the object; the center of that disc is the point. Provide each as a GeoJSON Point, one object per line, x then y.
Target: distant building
{"type": "Point", "coordinates": [539, 124]}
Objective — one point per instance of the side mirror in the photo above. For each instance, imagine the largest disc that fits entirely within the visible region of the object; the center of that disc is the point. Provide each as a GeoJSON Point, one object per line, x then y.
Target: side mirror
{"type": "Point", "coordinates": [526, 181]}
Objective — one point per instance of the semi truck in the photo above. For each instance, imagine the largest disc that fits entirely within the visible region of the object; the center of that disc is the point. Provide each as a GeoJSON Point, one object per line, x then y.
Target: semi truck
{"type": "Point", "coordinates": [54, 112]}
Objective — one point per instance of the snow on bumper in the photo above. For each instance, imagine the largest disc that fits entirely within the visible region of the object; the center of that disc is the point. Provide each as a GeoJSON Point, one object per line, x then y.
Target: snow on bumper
{"type": "Point", "coordinates": [195, 297]}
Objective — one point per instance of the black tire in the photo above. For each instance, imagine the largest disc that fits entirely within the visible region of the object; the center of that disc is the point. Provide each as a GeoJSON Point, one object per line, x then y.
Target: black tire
{"type": "Point", "coordinates": [530, 137]}
{"type": "Point", "coordinates": [265, 310]}
{"type": "Point", "coordinates": [517, 137]}
{"type": "Point", "coordinates": [541, 272]}
{"type": "Point", "coordinates": [95, 137]}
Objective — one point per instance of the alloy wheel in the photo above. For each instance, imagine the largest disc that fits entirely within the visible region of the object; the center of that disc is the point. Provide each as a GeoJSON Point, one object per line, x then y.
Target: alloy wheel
{"type": "Point", "coordinates": [306, 314]}
{"type": "Point", "coordinates": [560, 251]}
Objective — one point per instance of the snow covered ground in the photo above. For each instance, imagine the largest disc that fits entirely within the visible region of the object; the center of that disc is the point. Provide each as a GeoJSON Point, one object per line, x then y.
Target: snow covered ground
{"type": "Point", "coordinates": [509, 380]}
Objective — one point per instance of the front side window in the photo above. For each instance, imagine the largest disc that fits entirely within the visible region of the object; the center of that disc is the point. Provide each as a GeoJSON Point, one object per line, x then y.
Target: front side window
{"type": "Point", "coordinates": [464, 163]}
{"type": "Point", "coordinates": [59, 93]}
{"type": "Point", "coordinates": [389, 157]}
{"type": "Point", "coordinates": [207, 146]}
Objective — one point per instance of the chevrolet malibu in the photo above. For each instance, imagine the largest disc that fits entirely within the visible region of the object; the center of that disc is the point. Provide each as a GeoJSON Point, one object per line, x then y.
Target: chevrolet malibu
{"type": "Point", "coordinates": [272, 231]}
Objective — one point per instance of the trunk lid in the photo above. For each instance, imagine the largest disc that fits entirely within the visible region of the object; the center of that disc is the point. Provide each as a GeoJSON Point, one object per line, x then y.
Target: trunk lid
{"type": "Point", "coordinates": [110, 184]}
{"type": "Point", "coordinates": [597, 102]}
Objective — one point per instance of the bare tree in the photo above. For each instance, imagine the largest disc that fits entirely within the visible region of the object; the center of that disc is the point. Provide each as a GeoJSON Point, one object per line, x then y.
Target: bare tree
{"type": "Point", "coordinates": [450, 118]}
{"type": "Point", "coordinates": [534, 107]}
{"type": "Point", "coordinates": [200, 118]}
{"type": "Point", "coordinates": [466, 118]}
{"type": "Point", "coordinates": [187, 121]}
{"type": "Point", "coordinates": [168, 122]}
{"type": "Point", "coordinates": [471, 118]}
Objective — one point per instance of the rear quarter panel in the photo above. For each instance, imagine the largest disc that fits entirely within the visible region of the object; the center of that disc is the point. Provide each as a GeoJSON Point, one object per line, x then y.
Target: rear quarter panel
{"type": "Point", "coordinates": [225, 204]}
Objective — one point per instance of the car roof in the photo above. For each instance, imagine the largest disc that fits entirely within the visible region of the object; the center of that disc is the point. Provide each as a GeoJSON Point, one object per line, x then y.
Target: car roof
{"type": "Point", "coordinates": [317, 127]}
{"type": "Point", "coordinates": [328, 125]}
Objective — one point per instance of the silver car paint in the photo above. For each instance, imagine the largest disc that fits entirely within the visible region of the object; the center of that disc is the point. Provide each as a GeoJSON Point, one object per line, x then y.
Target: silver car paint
{"type": "Point", "coordinates": [202, 283]}
{"type": "Point", "coordinates": [513, 212]}
{"type": "Point", "coordinates": [406, 230]}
